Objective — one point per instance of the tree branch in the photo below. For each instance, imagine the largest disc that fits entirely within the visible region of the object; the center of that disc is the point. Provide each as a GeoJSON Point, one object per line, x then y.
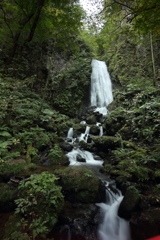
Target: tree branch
{"type": "Point", "coordinates": [5, 19]}
{"type": "Point", "coordinates": [122, 4]}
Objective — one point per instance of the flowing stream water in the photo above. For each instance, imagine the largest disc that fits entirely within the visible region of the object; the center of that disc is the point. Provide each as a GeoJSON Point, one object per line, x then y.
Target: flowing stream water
{"type": "Point", "coordinates": [111, 227]}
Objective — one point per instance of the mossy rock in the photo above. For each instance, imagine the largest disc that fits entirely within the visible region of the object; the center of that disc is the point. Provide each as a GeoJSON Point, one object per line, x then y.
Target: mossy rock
{"type": "Point", "coordinates": [86, 146]}
{"type": "Point", "coordinates": [94, 130]}
{"type": "Point", "coordinates": [80, 184]}
{"type": "Point", "coordinates": [104, 143]}
{"type": "Point", "coordinates": [79, 128]}
{"type": "Point", "coordinates": [91, 119]}
{"type": "Point", "coordinates": [129, 203]}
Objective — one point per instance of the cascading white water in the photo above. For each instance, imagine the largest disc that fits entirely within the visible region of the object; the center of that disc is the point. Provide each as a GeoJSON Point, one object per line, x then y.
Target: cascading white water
{"type": "Point", "coordinates": [84, 154]}
{"type": "Point", "coordinates": [101, 86]}
{"type": "Point", "coordinates": [113, 227]}
{"type": "Point", "coordinates": [70, 133]}
{"type": "Point", "coordinates": [101, 131]}
{"type": "Point", "coordinates": [84, 136]}
{"type": "Point", "coordinates": [100, 128]}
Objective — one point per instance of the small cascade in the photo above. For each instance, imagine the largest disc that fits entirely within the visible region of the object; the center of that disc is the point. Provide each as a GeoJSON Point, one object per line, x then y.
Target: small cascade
{"type": "Point", "coordinates": [101, 87]}
{"type": "Point", "coordinates": [100, 128]}
{"type": "Point", "coordinates": [70, 133]}
{"type": "Point", "coordinates": [112, 227]}
{"type": "Point", "coordinates": [84, 154]}
{"type": "Point", "coordinates": [101, 131]}
{"type": "Point", "coordinates": [84, 136]}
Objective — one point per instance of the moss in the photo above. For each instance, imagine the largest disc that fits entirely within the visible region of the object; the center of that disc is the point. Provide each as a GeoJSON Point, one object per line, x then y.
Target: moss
{"type": "Point", "coordinates": [83, 184]}
{"type": "Point", "coordinates": [104, 143]}
{"type": "Point", "coordinates": [86, 146]}
{"type": "Point", "coordinates": [91, 119]}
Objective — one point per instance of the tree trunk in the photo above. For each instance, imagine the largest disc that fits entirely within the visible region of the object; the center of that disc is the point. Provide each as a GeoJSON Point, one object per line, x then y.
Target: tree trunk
{"type": "Point", "coordinates": [153, 62]}
{"type": "Point", "coordinates": [35, 22]}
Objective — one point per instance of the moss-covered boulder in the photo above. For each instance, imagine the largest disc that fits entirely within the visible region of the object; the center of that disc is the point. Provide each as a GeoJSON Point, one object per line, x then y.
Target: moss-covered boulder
{"type": "Point", "coordinates": [80, 184]}
{"type": "Point", "coordinates": [91, 119]}
{"type": "Point", "coordinates": [129, 203]}
{"type": "Point", "coordinates": [86, 146]}
{"type": "Point", "coordinates": [79, 128]}
{"type": "Point", "coordinates": [104, 143]}
{"type": "Point", "coordinates": [94, 130]}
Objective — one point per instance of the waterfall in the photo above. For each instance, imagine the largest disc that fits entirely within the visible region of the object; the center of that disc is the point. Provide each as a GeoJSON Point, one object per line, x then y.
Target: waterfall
{"type": "Point", "coordinates": [84, 154]}
{"type": "Point", "coordinates": [101, 131]}
{"type": "Point", "coordinates": [70, 133]}
{"type": "Point", "coordinates": [112, 226]}
{"type": "Point", "coordinates": [84, 136]}
{"type": "Point", "coordinates": [101, 86]}
{"type": "Point", "coordinates": [100, 128]}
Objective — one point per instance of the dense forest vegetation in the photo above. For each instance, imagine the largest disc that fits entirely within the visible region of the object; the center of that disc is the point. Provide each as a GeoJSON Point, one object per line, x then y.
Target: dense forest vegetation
{"type": "Point", "coordinates": [46, 49]}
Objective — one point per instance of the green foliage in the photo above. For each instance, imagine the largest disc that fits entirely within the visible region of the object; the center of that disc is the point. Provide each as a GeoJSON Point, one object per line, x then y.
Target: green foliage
{"type": "Point", "coordinates": [71, 85]}
{"type": "Point", "coordinates": [40, 202]}
{"type": "Point", "coordinates": [57, 156]}
{"type": "Point", "coordinates": [23, 22]}
{"type": "Point", "coordinates": [7, 167]}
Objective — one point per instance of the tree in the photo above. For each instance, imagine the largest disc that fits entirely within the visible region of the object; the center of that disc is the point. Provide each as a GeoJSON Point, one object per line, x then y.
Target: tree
{"type": "Point", "coordinates": [143, 15]}
{"type": "Point", "coordinates": [25, 21]}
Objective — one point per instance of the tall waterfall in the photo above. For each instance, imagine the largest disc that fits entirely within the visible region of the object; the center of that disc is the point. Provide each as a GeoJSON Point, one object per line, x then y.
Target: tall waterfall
{"type": "Point", "coordinates": [101, 86]}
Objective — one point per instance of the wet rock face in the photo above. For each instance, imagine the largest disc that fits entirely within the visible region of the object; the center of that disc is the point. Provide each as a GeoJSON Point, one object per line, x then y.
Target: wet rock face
{"type": "Point", "coordinates": [66, 147]}
{"type": "Point", "coordinates": [79, 158]}
{"type": "Point", "coordinates": [129, 203]}
{"type": "Point", "coordinates": [79, 222]}
{"type": "Point", "coordinates": [145, 224]}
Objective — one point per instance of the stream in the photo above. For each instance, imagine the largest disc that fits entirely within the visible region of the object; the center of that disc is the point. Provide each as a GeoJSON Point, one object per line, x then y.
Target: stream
{"type": "Point", "coordinates": [111, 226]}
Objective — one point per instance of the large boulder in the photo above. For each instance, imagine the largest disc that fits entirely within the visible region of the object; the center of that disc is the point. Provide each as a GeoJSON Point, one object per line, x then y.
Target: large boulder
{"type": "Point", "coordinates": [66, 146]}
{"type": "Point", "coordinates": [94, 130]}
{"type": "Point", "coordinates": [80, 184]}
{"type": "Point", "coordinates": [104, 143]}
{"type": "Point", "coordinates": [91, 119]}
{"type": "Point", "coordinates": [129, 203]}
